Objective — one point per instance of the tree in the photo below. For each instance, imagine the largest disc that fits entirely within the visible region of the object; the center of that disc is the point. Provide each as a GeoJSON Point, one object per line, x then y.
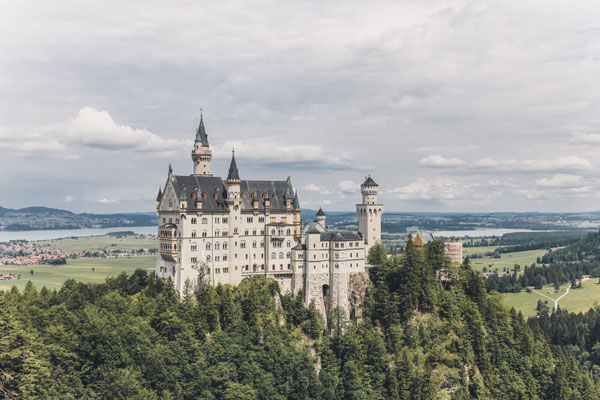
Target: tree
{"type": "Point", "coordinates": [377, 255]}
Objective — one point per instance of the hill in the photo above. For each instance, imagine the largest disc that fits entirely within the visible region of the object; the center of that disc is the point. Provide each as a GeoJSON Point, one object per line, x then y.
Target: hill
{"type": "Point", "coordinates": [44, 218]}
{"type": "Point", "coordinates": [133, 337]}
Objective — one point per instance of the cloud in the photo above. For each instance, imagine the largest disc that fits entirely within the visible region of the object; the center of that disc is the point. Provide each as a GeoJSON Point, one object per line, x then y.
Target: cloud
{"type": "Point", "coordinates": [267, 152]}
{"type": "Point", "coordinates": [97, 129]}
{"type": "Point", "coordinates": [436, 189]}
{"type": "Point", "coordinates": [68, 198]}
{"type": "Point", "coordinates": [326, 202]}
{"type": "Point", "coordinates": [560, 181]}
{"type": "Point", "coordinates": [586, 138]}
{"type": "Point", "coordinates": [348, 187]}
{"type": "Point", "coordinates": [104, 200]}
{"type": "Point", "coordinates": [562, 163]}
{"type": "Point", "coordinates": [311, 187]}
{"type": "Point", "coordinates": [437, 161]}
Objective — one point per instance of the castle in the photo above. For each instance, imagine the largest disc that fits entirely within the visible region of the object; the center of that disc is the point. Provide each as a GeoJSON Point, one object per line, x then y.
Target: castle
{"type": "Point", "coordinates": [242, 228]}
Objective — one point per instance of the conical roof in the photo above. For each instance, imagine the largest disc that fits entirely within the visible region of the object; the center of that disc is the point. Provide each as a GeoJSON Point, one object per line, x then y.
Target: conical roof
{"type": "Point", "coordinates": [320, 213]}
{"type": "Point", "coordinates": [159, 196]}
{"type": "Point", "coordinates": [296, 201]}
{"type": "Point", "coordinates": [234, 174]}
{"type": "Point", "coordinates": [369, 182]}
{"type": "Point", "coordinates": [201, 135]}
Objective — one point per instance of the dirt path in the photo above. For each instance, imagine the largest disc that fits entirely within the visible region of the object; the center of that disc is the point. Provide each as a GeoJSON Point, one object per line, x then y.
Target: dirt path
{"type": "Point", "coordinates": [555, 301]}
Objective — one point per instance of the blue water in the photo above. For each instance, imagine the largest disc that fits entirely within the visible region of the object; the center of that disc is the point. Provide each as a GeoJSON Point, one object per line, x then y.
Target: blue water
{"type": "Point", "coordinates": [63, 233]}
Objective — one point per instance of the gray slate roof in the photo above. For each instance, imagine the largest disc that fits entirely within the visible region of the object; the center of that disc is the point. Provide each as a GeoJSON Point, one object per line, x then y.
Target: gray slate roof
{"type": "Point", "coordinates": [320, 213]}
{"type": "Point", "coordinates": [210, 185]}
{"type": "Point", "coordinates": [233, 170]}
{"type": "Point", "coordinates": [339, 236]}
{"type": "Point", "coordinates": [201, 135]}
{"type": "Point", "coordinates": [369, 182]}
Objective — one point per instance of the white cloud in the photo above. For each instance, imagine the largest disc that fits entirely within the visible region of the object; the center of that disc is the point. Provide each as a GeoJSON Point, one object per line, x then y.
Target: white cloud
{"type": "Point", "coordinates": [268, 152]}
{"type": "Point", "coordinates": [311, 187]}
{"type": "Point", "coordinates": [348, 187]}
{"type": "Point", "coordinates": [104, 200]}
{"type": "Point", "coordinates": [437, 161]}
{"type": "Point", "coordinates": [97, 129]}
{"type": "Point", "coordinates": [587, 138]}
{"type": "Point", "coordinates": [562, 163]}
{"type": "Point", "coordinates": [326, 202]}
{"type": "Point", "coordinates": [68, 198]}
{"type": "Point", "coordinates": [560, 181]}
{"type": "Point", "coordinates": [435, 189]}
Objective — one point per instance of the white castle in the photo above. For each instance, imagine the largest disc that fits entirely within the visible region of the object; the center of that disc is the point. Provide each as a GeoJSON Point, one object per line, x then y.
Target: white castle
{"type": "Point", "coordinates": [242, 228]}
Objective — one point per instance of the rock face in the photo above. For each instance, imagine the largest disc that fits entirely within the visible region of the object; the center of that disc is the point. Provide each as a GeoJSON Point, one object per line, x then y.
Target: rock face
{"type": "Point", "coordinates": [357, 288]}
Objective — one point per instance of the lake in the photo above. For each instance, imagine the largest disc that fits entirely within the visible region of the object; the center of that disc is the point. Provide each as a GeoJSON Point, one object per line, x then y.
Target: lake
{"type": "Point", "coordinates": [482, 232]}
{"type": "Point", "coordinates": [63, 233]}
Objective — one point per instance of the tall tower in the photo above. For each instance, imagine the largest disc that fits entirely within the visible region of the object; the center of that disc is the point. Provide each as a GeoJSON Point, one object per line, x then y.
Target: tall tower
{"type": "Point", "coordinates": [320, 217]}
{"type": "Point", "coordinates": [201, 154]}
{"type": "Point", "coordinates": [369, 213]}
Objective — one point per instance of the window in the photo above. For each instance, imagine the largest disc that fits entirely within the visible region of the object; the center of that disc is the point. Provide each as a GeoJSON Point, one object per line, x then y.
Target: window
{"type": "Point", "coordinates": [224, 245]}
{"type": "Point", "coordinates": [217, 233]}
{"type": "Point", "coordinates": [246, 232]}
{"type": "Point", "coordinates": [288, 232]}
{"type": "Point", "coordinates": [217, 220]}
{"type": "Point", "coordinates": [217, 245]}
{"type": "Point", "coordinates": [272, 231]}
{"type": "Point", "coordinates": [225, 220]}
{"type": "Point", "coordinates": [235, 231]}
{"type": "Point", "coordinates": [193, 260]}
{"type": "Point", "coordinates": [281, 255]}
{"type": "Point", "coordinates": [193, 234]}
{"type": "Point", "coordinates": [250, 220]}
{"type": "Point", "coordinates": [203, 233]}
{"type": "Point", "coordinates": [261, 219]}
{"type": "Point", "coordinates": [164, 220]}
{"type": "Point", "coordinates": [288, 255]}
{"type": "Point", "coordinates": [224, 234]}
{"type": "Point", "coordinates": [254, 232]}
{"type": "Point", "coordinates": [272, 219]}
{"type": "Point", "coordinates": [194, 247]}
{"type": "Point", "coordinates": [194, 221]}
{"type": "Point", "coordinates": [289, 243]}
{"type": "Point", "coordinates": [254, 244]}
{"type": "Point", "coordinates": [217, 258]}
{"type": "Point", "coordinates": [337, 266]}
{"type": "Point", "coordinates": [176, 220]}
{"type": "Point", "coordinates": [170, 220]}
{"type": "Point", "coordinates": [262, 244]}
{"type": "Point", "coordinates": [225, 257]}
{"type": "Point", "coordinates": [207, 258]}
{"type": "Point", "coordinates": [204, 220]}
{"type": "Point", "coordinates": [262, 231]}
{"type": "Point", "coordinates": [225, 270]}
{"type": "Point", "coordinates": [273, 255]}
{"type": "Point", "coordinates": [208, 246]}
{"type": "Point", "coordinates": [243, 244]}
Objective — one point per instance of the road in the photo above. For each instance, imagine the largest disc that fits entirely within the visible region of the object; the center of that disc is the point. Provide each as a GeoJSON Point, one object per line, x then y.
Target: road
{"type": "Point", "coordinates": [555, 301]}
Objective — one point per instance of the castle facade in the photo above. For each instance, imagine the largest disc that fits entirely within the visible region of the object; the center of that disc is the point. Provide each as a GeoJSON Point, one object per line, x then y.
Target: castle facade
{"type": "Point", "coordinates": [240, 228]}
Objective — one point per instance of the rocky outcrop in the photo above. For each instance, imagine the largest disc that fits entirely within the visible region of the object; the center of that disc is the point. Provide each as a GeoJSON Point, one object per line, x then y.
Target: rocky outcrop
{"type": "Point", "coordinates": [357, 288]}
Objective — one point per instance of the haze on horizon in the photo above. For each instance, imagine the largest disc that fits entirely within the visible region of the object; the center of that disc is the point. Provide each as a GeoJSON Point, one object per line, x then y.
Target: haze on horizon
{"type": "Point", "coordinates": [461, 106]}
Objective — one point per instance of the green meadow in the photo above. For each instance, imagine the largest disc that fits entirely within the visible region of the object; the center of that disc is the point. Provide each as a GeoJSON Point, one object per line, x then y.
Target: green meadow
{"type": "Point", "coordinates": [578, 300]}
{"type": "Point", "coordinates": [79, 269]}
{"type": "Point", "coordinates": [92, 243]}
{"type": "Point", "coordinates": [507, 260]}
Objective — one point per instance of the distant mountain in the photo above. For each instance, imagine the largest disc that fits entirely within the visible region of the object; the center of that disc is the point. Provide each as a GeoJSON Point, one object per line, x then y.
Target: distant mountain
{"type": "Point", "coordinates": [45, 218]}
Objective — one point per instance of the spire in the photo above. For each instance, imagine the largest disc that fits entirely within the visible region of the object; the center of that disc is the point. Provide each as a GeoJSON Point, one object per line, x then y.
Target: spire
{"type": "Point", "coordinates": [320, 213]}
{"type": "Point", "coordinates": [201, 135]}
{"type": "Point", "coordinates": [158, 197]}
{"type": "Point", "coordinates": [233, 170]}
{"type": "Point", "coordinates": [296, 201]}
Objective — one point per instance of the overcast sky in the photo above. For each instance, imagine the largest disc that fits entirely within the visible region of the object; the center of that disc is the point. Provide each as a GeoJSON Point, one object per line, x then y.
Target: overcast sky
{"type": "Point", "coordinates": [485, 105]}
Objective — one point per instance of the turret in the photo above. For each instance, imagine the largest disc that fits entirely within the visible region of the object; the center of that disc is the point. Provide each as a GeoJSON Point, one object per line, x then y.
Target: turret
{"type": "Point", "coordinates": [201, 154]}
{"type": "Point", "coordinates": [158, 197]}
{"type": "Point", "coordinates": [320, 217]}
{"type": "Point", "coordinates": [233, 181]}
{"type": "Point", "coordinates": [369, 213]}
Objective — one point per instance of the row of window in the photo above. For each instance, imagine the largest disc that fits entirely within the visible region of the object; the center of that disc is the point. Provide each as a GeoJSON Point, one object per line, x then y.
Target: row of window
{"type": "Point", "coordinates": [204, 220]}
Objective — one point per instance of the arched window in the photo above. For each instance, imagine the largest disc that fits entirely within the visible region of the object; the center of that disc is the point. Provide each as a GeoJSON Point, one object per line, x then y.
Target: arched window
{"type": "Point", "coordinates": [208, 258]}
{"type": "Point", "coordinates": [281, 255]}
{"type": "Point", "coordinates": [289, 243]}
{"type": "Point", "coordinates": [224, 245]}
{"type": "Point", "coordinates": [217, 245]}
{"type": "Point", "coordinates": [272, 231]}
{"type": "Point", "coordinates": [235, 231]}
{"type": "Point", "coordinates": [217, 233]}
{"type": "Point", "coordinates": [208, 246]}
{"type": "Point", "coordinates": [203, 233]}
{"type": "Point", "coordinates": [176, 220]}
{"type": "Point", "coordinates": [193, 234]}
{"type": "Point", "coordinates": [194, 247]}
{"type": "Point", "coordinates": [246, 232]}
{"type": "Point", "coordinates": [289, 255]}
{"type": "Point", "coordinates": [204, 220]}
{"type": "Point", "coordinates": [243, 244]}
{"type": "Point", "coordinates": [273, 255]}
{"type": "Point", "coordinates": [289, 231]}
{"type": "Point", "coordinates": [254, 244]}
{"type": "Point", "coordinates": [194, 220]}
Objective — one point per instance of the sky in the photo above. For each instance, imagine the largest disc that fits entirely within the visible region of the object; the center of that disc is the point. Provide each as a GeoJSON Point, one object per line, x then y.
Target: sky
{"type": "Point", "coordinates": [466, 106]}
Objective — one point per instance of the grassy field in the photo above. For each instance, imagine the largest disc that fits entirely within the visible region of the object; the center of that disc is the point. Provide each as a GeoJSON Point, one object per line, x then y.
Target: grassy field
{"type": "Point", "coordinates": [80, 269]}
{"type": "Point", "coordinates": [92, 243]}
{"type": "Point", "coordinates": [469, 251]}
{"type": "Point", "coordinates": [507, 260]}
{"type": "Point", "coordinates": [579, 300]}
